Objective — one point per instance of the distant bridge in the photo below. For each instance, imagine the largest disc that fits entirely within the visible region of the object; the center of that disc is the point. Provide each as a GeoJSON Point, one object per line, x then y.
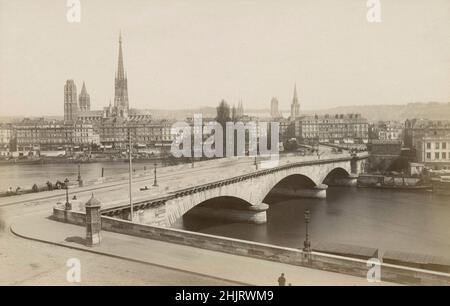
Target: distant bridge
{"type": "Point", "coordinates": [245, 193]}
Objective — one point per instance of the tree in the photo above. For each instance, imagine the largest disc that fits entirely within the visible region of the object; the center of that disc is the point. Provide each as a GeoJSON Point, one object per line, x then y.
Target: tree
{"type": "Point", "coordinates": [223, 113]}
{"type": "Point", "coordinates": [223, 116]}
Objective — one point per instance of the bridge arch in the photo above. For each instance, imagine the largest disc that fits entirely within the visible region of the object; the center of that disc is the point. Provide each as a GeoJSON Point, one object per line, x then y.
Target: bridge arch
{"type": "Point", "coordinates": [228, 208]}
{"type": "Point", "coordinates": [292, 182]}
{"type": "Point", "coordinates": [336, 173]}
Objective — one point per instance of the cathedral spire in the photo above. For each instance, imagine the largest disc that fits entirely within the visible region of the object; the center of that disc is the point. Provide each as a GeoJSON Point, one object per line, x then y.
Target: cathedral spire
{"type": "Point", "coordinates": [295, 106]}
{"type": "Point", "coordinates": [121, 86]}
{"type": "Point", "coordinates": [295, 93]}
{"type": "Point", "coordinates": [120, 69]}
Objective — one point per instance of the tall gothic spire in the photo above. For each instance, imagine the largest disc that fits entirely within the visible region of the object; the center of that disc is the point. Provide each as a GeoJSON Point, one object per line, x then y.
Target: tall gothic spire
{"type": "Point", "coordinates": [295, 106]}
{"type": "Point", "coordinates": [121, 86]}
{"type": "Point", "coordinates": [295, 99]}
{"type": "Point", "coordinates": [120, 70]}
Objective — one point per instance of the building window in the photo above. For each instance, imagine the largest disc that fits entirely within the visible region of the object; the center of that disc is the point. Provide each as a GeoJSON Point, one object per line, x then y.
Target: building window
{"type": "Point", "coordinates": [444, 155]}
{"type": "Point", "coordinates": [428, 145]}
{"type": "Point", "coordinates": [436, 155]}
{"type": "Point", "coordinates": [436, 145]}
{"type": "Point", "coordinates": [444, 145]}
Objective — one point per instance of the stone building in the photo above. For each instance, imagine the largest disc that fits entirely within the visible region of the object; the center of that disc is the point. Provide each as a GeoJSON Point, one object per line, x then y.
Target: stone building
{"type": "Point", "coordinates": [435, 152]}
{"type": "Point", "coordinates": [428, 140]}
{"type": "Point", "coordinates": [339, 128]}
{"type": "Point", "coordinates": [40, 134]}
{"type": "Point", "coordinates": [386, 130]}
{"type": "Point", "coordinates": [6, 137]}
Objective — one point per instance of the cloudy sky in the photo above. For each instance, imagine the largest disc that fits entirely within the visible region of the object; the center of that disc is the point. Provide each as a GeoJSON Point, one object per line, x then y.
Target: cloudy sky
{"type": "Point", "coordinates": [191, 53]}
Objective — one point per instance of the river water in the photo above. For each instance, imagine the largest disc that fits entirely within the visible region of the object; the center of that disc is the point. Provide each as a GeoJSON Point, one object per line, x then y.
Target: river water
{"type": "Point", "coordinates": [389, 220]}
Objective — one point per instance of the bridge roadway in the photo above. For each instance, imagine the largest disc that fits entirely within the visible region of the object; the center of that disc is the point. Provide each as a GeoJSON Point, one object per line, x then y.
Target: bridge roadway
{"type": "Point", "coordinates": [170, 180]}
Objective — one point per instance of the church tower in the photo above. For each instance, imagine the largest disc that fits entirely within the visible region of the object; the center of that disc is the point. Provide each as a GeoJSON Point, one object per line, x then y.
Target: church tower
{"type": "Point", "coordinates": [121, 86]}
{"type": "Point", "coordinates": [70, 101]}
{"type": "Point", "coordinates": [240, 109]}
{"type": "Point", "coordinates": [84, 99]}
{"type": "Point", "coordinates": [295, 106]}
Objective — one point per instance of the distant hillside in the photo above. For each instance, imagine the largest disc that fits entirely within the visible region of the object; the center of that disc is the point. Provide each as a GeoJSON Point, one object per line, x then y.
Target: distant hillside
{"type": "Point", "coordinates": [431, 110]}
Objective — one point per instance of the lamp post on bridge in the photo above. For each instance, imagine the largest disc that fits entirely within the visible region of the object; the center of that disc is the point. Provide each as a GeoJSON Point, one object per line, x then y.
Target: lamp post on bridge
{"type": "Point", "coordinates": [80, 181]}
{"type": "Point", "coordinates": [68, 205]}
{"type": "Point", "coordinates": [307, 243]}
{"type": "Point", "coordinates": [130, 175]}
{"type": "Point", "coordinates": [155, 182]}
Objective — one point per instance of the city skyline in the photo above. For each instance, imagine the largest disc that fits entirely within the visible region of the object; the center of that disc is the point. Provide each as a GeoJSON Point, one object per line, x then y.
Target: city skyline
{"type": "Point", "coordinates": [212, 143]}
{"type": "Point", "coordinates": [178, 60]}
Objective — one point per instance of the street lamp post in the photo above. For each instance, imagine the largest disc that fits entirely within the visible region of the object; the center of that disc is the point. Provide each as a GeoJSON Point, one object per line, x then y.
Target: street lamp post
{"type": "Point", "coordinates": [307, 243]}
{"type": "Point", "coordinates": [130, 175]}
{"type": "Point", "coordinates": [80, 181]}
{"type": "Point", "coordinates": [155, 183]}
{"type": "Point", "coordinates": [68, 205]}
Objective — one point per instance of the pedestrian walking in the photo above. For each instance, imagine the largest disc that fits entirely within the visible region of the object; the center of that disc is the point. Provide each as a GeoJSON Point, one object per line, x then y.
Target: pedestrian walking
{"type": "Point", "coordinates": [282, 280]}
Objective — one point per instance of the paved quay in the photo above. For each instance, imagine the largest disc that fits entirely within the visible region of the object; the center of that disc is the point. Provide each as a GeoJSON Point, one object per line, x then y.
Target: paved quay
{"type": "Point", "coordinates": [217, 265]}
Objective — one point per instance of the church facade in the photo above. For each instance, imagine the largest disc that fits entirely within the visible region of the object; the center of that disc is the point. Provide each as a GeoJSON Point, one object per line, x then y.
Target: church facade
{"type": "Point", "coordinates": [80, 109]}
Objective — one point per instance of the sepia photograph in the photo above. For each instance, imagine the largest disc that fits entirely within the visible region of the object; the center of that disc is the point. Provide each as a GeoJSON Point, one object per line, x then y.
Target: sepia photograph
{"type": "Point", "coordinates": [220, 150]}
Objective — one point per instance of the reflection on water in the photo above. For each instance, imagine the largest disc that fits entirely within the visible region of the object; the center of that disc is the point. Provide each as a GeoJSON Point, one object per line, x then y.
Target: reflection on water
{"type": "Point", "coordinates": [396, 220]}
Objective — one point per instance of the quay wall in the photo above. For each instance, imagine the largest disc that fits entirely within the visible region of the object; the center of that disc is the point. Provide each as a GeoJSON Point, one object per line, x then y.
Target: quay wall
{"type": "Point", "coordinates": [316, 260]}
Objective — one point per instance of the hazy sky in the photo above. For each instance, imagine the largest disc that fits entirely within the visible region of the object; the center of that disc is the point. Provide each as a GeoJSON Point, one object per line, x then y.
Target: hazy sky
{"type": "Point", "coordinates": [190, 53]}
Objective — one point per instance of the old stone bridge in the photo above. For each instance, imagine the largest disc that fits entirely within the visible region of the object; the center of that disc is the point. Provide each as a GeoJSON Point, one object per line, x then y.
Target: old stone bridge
{"type": "Point", "coordinates": [240, 197]}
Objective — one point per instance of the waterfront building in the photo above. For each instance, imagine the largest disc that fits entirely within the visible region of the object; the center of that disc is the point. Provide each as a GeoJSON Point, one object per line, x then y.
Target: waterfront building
{"type": "Point", "coordinates": [428, 141]}
{"type": "Point", "coordinates": [339, 128]}
{"type": "Point", "coordinates": [84, 134]}
{"type": "Point", "coordinates": [295, 106]}
{"type": "Point", "coordinates": [144, 133]}
{"type": "Point", "coordinates": [6, 136]}
{"type": "Point", "coordinates": [435, 152]}
{"type": "Point", "coordinates": [39, 134]}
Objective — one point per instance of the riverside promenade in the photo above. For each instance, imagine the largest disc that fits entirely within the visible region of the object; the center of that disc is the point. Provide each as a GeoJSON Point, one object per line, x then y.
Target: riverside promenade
{"type": "Point", "coordinates": [232, 269]}
{"type": "Point", "coordinates": [38, 247]}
